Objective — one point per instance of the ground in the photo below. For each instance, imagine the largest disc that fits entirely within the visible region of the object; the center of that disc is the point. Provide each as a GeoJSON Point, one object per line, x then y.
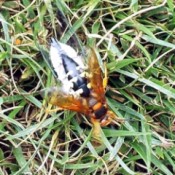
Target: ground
{"type": "Point", "coordinates": [136, 40]}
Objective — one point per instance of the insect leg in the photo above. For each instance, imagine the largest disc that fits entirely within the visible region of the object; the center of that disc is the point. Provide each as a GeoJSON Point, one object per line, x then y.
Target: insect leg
{"type": "Point", "coordinates": [105, 79]}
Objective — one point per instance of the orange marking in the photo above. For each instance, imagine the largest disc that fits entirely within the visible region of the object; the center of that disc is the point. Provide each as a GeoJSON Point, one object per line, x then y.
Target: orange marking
{"type": "Point", "coordinates": [18, 41]}
{"type": "Point", "coordinates": [97, 106]}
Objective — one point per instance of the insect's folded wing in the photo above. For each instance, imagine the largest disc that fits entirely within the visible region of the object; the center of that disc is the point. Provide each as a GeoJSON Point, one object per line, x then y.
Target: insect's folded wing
{"type": "Point", "coordinates": [63, 100]}
{"type": "Point", "coordinates": [96, 78]}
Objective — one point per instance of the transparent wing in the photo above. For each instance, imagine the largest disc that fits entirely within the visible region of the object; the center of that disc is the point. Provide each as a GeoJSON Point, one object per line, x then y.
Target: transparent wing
{"type": "Point", "coordinates": [60, 98]}
{"type": "Point", "coordinates": [96, 78]}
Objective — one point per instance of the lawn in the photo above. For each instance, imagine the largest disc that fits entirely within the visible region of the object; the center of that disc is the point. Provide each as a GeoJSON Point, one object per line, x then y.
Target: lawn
{"type": "Point", "coordinates": [135, 41]}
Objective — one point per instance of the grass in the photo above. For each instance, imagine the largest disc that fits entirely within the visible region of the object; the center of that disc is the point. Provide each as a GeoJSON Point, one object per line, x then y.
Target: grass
{"type": "Point", "coordinates": [137, 40]}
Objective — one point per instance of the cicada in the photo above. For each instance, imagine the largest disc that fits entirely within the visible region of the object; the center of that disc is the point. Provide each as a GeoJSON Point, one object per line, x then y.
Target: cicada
{"type": "Point", "coordinates": [81, 87]}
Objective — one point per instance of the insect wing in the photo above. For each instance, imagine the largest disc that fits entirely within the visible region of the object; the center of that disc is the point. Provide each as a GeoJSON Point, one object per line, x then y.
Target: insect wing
{"type": "Point", "coordinates": [58, 97]}
{"type": "Point", "coordinates": [96, 78]}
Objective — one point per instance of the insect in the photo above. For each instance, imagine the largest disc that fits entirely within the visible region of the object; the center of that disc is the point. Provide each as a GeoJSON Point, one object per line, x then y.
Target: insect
{"type": "Point", "coordinates": [81, 87]}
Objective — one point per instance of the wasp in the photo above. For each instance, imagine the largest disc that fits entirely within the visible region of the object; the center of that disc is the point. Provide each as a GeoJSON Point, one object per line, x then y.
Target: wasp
{"type": "Point", "coordinates": [82, 88]}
